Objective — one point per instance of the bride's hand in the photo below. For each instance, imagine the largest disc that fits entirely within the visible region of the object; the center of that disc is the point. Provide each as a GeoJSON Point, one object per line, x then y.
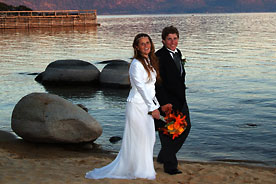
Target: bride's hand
{"type": "Point", "coordinates": [156, 114]}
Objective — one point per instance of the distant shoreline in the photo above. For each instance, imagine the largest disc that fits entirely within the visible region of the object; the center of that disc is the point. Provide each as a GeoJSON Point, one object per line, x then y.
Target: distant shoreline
{"type": "Point", "coordinates": [188, 13]}
{"type": "Point", "coordinates": [175, 14]}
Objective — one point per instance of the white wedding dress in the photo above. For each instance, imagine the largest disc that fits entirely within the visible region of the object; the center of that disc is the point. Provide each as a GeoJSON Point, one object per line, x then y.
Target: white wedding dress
{"type": "Point", "coordinates": [135, 158]}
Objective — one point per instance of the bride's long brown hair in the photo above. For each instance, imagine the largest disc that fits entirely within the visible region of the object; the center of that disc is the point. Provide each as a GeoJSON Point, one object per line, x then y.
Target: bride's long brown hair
{"type": "Point", "coordinates": [152, 57]}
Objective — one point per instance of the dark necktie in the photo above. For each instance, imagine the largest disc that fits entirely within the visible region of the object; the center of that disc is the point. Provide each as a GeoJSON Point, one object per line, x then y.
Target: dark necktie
{"type": "Point", "coordinates": [177, 61]}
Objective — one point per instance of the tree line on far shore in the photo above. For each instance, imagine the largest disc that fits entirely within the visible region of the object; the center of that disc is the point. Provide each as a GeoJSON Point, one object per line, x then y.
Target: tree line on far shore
{"type": "Point", "coordinates": [5, 7]}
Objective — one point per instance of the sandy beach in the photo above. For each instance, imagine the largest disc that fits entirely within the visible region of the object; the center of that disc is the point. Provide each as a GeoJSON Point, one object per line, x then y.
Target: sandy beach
{"type": "Point", "coordinates": [23, 162]}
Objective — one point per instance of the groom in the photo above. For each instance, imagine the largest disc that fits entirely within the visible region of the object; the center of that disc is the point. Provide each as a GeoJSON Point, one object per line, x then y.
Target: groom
{"type": "Point", "coordinates": [171, 96]}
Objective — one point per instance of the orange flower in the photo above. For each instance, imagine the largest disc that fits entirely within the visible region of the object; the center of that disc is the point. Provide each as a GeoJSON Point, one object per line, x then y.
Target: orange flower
{"type": "Point", "coordinates": [181, 130]}
{"type": "Point", "coordinates": [171, 127]}
{"type": "Point", "coordinates": [175, 125]}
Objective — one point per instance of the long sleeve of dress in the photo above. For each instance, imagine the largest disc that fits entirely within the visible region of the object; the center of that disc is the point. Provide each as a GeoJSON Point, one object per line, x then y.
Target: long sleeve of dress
{"type": "Point", "coordinates": [145, 87]}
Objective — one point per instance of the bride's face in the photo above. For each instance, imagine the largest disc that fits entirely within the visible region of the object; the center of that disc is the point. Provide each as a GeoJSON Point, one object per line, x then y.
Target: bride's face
{"type": "Point", "coordinates": [144, 46]}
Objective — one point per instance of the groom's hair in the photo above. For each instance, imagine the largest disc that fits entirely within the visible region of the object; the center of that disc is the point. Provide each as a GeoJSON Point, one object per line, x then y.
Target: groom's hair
{"type": "Point", "coordinates": [169, 30]}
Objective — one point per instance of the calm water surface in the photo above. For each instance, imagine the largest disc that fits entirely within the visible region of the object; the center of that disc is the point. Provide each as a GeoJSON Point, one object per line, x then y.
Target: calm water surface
{"type": "Point", "coordinates": [231, 78]}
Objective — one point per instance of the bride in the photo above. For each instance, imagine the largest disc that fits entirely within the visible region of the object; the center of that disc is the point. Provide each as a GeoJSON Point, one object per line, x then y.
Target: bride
{"type": "Point", "coordinates": [135, 158]}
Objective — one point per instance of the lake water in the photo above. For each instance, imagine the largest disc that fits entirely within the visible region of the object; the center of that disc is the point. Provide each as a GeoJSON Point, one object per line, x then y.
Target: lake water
{"type": "Point", "coordinates": [231, 78]}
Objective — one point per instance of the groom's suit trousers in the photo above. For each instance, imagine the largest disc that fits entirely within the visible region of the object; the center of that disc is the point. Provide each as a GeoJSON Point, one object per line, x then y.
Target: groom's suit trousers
{"type": "Point", "coordinates": [170, 147]}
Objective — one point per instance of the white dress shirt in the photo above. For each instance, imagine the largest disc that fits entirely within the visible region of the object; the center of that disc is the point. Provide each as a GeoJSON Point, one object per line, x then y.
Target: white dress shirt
{"type": "Point", "coordinates": [171, 52]}
{"type": "Point", "coordinates": [174, 52]}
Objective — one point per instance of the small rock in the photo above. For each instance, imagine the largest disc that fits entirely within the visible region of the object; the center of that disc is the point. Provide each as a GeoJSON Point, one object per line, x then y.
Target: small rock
{"type": "Point", "coordinates": [114, 139]}
{"type": "Point", "coordinates": [83, 107]}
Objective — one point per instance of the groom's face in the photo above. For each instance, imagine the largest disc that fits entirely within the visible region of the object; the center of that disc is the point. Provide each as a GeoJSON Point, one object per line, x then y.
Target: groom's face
{"type": "Point", "coordinates": [171, 41]}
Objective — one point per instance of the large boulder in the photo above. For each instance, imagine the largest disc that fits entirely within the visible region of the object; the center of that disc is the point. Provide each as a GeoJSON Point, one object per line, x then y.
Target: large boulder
{"type": "Point", "coordinates": [69, 72]}
{"type": "Point", "coordinates": [115, 74]}
{"type": "Point", "coordinates": [43, 117]}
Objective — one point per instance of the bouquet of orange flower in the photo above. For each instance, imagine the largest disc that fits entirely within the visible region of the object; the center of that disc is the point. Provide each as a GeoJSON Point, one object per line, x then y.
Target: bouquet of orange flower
{"type": "Point", "coordinates": [175, 124]}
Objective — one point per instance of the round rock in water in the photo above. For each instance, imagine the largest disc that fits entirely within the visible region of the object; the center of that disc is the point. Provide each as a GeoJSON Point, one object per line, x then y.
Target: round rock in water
{"type": "Point", "coordinates": [69, 72]}
{"type": "Point", "coordinates": [43, 117]}
{"type": "Point", "coordinates": [115, 74]}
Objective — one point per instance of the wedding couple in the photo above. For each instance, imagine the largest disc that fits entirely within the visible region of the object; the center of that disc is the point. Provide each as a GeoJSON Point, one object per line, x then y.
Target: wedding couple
{"type": "Point", "coordinates": [158, 86]}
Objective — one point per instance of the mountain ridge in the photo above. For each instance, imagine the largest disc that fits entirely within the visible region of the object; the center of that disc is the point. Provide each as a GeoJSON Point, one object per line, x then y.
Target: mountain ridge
{"type": "Point", "coordinates": [150, 6]}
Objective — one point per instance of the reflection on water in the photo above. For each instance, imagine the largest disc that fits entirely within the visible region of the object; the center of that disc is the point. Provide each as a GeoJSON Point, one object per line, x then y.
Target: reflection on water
{"type": "Point", "coordinates": [70, 92]}
{"type": "Point", "coordinates": [119, 94]}
{"type": "Point", "coordinates": [109, 95]}
{"type": "Point", "coordinates": [50, 31]}
{"type": "Point", "coordinates": [231, 77]}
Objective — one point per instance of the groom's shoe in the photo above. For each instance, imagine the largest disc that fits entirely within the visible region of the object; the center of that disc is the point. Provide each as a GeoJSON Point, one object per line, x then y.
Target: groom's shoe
{"type": "Point", "coordinates": [173, 172]}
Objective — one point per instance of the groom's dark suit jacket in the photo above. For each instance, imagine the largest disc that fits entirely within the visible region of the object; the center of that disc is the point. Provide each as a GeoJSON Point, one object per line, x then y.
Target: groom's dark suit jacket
{"type": "Point", "coordinates": [173, 86]}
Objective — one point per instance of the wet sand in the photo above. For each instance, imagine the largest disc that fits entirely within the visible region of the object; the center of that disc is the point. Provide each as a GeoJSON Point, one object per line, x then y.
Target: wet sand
{"type": "Point", "coordinates": [33, 163]}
